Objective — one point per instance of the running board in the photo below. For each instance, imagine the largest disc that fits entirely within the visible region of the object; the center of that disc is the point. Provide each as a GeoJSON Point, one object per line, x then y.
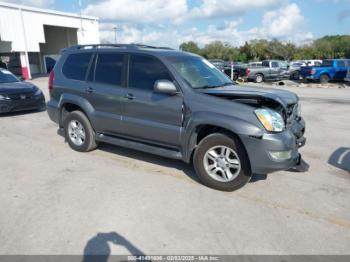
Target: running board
{"type": "Point", "coordinates": [155, 150]}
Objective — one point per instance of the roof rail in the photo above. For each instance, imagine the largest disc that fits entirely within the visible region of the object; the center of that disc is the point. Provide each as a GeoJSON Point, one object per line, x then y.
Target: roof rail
{"type": "Point", "coordinates": [127, 46]}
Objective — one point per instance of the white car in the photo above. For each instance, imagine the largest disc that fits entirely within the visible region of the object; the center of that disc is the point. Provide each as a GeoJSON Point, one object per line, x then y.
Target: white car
{"type": "Point", "coordinates": [347, 78]}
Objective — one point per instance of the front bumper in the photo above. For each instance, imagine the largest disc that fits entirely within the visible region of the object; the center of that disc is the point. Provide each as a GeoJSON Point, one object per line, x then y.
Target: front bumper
{"type": "Point", "coordinates": [259, 148]}
{"type": "Point", "coordinates": [347, 79]}
{"type": "Point", "coordinates": [34, 103]}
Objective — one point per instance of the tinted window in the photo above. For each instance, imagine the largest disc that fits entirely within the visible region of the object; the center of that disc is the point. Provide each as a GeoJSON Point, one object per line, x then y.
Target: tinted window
{"type": "Point", "coordinates": [327, 63]}
{"type": "Point", "coordinates": [76, 65]}
{"type": "Point", "coordinates": [266, 64]}
{"type": "Point", "coordinates": [144, 71]}
{"type": "Point", "coordinates": [341, 63]}
{"type": "Point", "coordinates": [109, 68]}
{"type": "Point", "coordinates": [274, 64]}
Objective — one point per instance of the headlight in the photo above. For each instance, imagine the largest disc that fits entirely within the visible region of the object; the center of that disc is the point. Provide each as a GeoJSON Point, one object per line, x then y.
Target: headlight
{"type": "Point", "coordinates": [270, 119]}
{"type": "Point", "coordinates": [38, 92]}
{"type": "Point", "coordinates": [4, 97]}
{"type": "Point", "coordinates": [299, 110]}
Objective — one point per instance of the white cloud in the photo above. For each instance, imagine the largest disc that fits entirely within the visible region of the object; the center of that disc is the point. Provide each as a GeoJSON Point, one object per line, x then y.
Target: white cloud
{"type": "Point", "coordinates": [139, 11]}
{"type": "Point", "coordinates": [282, 22]}
{"type": "Point", "coordinates": [215, 8]}
{"type": "Point", "coordinates": [35, 3]}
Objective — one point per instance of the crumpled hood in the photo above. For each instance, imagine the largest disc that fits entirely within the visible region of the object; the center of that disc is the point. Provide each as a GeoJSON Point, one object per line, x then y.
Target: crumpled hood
{"type": "Point", "coordinates": [17, 88]}
{"type": "Point", "coordinates": [283, 97]}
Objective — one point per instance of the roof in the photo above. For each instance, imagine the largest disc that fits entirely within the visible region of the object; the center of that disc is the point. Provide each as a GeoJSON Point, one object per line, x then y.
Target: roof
{"type": "Point", "coordinates": [46, 11]}
{"type": "Point", "coordinates": [139, 48]}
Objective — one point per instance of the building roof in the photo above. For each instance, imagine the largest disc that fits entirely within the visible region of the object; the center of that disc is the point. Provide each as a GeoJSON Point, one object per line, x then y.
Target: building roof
{"type": "Point", "coordinates": [46, 11]}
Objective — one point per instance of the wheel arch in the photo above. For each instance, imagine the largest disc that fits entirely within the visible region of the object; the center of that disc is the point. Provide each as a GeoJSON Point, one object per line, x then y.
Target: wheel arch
{"type": "Point", "coordinates": [197, 130]}
{"type": "Point", "coordinates": [70, 103]}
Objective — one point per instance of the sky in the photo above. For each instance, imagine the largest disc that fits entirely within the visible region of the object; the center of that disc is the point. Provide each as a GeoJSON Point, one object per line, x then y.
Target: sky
{"type": "Point", "coordinates": [172, 22]}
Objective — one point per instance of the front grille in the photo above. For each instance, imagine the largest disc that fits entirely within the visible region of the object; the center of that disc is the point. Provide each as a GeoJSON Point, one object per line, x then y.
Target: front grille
{"type": "Point", "coordinates": [20, 96]}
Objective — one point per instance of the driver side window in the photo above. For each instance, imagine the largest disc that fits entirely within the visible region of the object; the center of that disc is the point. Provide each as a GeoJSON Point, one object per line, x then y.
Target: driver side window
{"type": "Point", "coordinates": [144, 71]}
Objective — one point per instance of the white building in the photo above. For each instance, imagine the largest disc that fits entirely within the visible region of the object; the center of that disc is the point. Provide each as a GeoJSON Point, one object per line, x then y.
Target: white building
{"type": "Point", "coordinates": [28, 35]}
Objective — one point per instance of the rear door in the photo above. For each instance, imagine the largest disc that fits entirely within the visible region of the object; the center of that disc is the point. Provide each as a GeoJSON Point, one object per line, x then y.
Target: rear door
{"type": "Point", "coordinates": [105, 90]}
{"type": "Point", "coordinates": [148, 115]}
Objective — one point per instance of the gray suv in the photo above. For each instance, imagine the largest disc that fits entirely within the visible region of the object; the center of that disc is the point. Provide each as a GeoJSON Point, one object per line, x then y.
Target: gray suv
{"type": "Point", "coordinates": [176, 105]}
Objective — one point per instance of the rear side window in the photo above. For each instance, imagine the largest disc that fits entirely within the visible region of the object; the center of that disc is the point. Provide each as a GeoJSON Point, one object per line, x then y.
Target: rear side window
{"type": "Point", "coordinates": [341, 63]}
{"type": "Point", "coordinates": [76, 65]}
{"type": "Point", "coordinates": [109, 68]}
{"type": "Point", "coordinates": [144, 71]}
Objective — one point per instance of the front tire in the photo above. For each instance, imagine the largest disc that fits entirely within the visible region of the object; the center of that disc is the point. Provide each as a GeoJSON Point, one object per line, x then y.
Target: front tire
{"type": "Point", "coordinates": [79, 132]}
{"type": "Point", "coordinates": [221, 162]}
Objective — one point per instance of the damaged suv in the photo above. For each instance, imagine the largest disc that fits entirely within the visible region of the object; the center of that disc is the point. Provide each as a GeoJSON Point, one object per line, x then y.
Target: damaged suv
{"type": "Point", "coordinates": [176, 105]}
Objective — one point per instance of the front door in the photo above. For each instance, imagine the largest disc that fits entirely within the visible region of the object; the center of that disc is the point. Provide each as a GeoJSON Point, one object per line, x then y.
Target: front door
{"type": "Point", "coordinates": [148, 115]}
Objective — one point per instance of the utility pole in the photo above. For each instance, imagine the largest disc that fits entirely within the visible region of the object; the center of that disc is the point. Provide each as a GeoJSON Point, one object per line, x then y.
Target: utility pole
{"type": "Point", "coordinates": [115, 34]}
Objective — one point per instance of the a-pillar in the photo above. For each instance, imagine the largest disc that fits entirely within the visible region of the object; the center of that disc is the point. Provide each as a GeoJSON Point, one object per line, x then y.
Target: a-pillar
{"type": "Point", "coordinates": [25, 66]}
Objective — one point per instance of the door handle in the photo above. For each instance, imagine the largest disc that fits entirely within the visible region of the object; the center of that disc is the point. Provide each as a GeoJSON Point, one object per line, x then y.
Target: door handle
{"type": "Point", "coordinates": [89, 90]}
{"type": "Point", "coordinates": [130, 96]}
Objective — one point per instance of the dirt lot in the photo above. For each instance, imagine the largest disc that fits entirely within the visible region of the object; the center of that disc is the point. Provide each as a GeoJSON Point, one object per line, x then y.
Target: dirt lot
{"type": "Point", "coordinates": [57, 201]}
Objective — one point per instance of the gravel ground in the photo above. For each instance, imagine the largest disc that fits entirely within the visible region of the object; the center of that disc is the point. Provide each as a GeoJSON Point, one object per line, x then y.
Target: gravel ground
{"type": "Point", "coordinates": [112, 200]}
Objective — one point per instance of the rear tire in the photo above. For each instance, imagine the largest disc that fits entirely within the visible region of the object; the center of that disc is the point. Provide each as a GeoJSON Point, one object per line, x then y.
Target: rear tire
{"type": "Point", "coordinates": [229, 170]}
{"type": "Point", "coordinates": [259, 78]}
{"type": "Point", "coordinates": [324, 79]}
{"type": "Point", "coordinates": [79, 132]}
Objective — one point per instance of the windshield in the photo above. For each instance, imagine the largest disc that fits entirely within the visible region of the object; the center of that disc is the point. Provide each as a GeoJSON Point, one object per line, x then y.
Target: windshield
{"type": "Point", "coordinates": [7, 77]}
{"type": "Point", "coordinates": [198, 72]}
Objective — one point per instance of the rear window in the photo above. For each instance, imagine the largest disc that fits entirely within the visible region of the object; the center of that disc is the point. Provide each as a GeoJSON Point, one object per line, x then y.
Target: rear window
{"type": "Point", "coordinates": [327, 63]}
{"type": "Point", "coordinates": [76, 65]}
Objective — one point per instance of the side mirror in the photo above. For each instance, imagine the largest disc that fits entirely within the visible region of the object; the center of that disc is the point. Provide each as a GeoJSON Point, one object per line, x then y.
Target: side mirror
{"type": "Point", "coordinates": [165, 87]}
{"type": "Point", "coordinates": [22, 78]}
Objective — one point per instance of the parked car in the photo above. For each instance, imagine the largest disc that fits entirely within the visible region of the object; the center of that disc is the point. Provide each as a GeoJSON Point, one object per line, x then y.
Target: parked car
{"type": "Point", "coordinates": [174, 104]}
{"type": "Point", "coordinates": [269, 70]}
{"type": "Point", "coordinates": [331, 69]}
{"type": "Point", "coordinates": [219, 64]}
{"type": "Point", "coordinates": [313, 62]}
{"type": "Point", "coordinates": [16, 95]}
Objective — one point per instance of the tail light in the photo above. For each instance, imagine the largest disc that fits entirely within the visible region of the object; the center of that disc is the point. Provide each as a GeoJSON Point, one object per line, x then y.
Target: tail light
{"type": "Point", "coordinates": [51, 80]}
{"type": "Point", "coordinates": [247, 72]}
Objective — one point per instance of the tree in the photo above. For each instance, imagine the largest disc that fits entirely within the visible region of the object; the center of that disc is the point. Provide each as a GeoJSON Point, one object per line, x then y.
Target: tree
{"type": "Point", "coordinates": [337, 46]}
{"type": "Point", "coordinates": [191, 47]}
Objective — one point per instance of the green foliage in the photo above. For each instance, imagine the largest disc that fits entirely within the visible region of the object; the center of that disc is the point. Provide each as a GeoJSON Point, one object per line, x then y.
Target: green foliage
{"type": "Point", "coordinates": [337, 46]}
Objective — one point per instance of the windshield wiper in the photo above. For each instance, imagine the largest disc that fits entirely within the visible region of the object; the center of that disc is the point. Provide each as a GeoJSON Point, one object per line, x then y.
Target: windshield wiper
{"type": "Point", "coordinates": [215, 86]}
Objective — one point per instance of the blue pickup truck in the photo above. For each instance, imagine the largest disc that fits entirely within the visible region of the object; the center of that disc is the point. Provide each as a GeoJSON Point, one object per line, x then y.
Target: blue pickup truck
{"type": "Point", "coordinates": [332, 69]}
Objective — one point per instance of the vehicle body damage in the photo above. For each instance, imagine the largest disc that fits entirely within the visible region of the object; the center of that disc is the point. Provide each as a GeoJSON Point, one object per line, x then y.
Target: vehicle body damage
{"type": "Point", "coordinates": [284, 102]}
